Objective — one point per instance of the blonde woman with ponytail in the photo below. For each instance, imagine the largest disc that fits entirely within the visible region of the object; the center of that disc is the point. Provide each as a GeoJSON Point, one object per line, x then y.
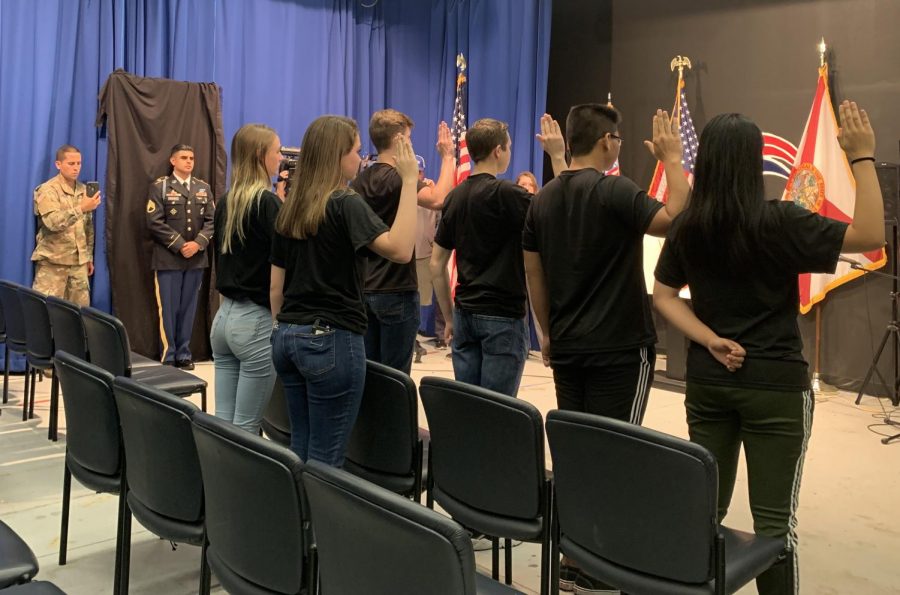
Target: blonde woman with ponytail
{"type": "Point", "coordinates": [317, 288]}
{"type": "Point", "coordinates": [241, 331]}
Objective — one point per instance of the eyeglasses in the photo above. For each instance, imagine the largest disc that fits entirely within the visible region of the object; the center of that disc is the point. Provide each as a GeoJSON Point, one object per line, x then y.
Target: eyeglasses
{"type": "Point", "coordinates": [615, 136]}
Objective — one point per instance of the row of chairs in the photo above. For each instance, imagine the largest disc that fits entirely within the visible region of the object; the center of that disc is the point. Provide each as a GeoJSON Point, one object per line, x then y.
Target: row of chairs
{"type": "Point", "coordinates": [192, 478]}
{"type": "Point", "coordinates": [631, 505]}
{"type": "Point", "coordinates": [35, 326]}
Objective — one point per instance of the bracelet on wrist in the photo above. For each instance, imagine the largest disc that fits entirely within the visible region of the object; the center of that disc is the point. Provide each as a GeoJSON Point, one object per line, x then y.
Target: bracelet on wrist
{"type": "Point", "coordinates": [858, 159]}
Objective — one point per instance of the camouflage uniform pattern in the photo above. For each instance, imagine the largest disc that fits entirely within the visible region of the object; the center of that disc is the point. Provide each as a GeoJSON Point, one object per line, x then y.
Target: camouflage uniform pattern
{"type": "Point", "coordinates": [64, 244]}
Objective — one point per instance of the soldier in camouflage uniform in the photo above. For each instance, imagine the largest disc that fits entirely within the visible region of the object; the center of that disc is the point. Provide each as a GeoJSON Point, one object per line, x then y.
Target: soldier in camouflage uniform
{"type": "Point", "coordinates": [180, 218]}
{"type": "Point", "coordinates": [64, 245]}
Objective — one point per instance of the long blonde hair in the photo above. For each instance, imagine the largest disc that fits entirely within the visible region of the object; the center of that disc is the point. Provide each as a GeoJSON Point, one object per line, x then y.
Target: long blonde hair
{"type": "Point", "coordinates": [248, 180]}
{"type": "Point", "coordinates": [318, 174]}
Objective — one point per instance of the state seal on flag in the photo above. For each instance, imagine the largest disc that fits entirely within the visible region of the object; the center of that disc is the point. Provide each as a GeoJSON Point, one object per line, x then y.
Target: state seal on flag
{"type": "Point", "coordinates": [806, 187]}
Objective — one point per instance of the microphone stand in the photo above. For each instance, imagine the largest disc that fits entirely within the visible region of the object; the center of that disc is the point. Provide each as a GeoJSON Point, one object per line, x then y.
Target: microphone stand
{"type": "Point", "coordinates": [892, 330]}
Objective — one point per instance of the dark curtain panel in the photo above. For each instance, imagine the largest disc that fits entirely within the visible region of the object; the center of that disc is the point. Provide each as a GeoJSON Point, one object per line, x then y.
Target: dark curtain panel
{"type": "Point", "coordinates": [144, 118]}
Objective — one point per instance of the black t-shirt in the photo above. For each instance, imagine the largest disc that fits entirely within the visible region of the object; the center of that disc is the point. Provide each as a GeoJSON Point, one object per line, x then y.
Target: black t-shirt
{"type": "Point", "coordinates": [758, 308]}
{"type": "Point", "coordinates": [589, 229]}
{"type": "Point", "coordinates": [380, 185]}
{"type": "Point", "coordinates": [244, 273]}
{"type": "Point", "coordinates": [482, 220]}
{"type": "Point", "coordinates": [323, 275]}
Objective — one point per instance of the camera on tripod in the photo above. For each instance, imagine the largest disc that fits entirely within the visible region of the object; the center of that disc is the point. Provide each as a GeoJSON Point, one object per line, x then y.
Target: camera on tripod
{"type": "Point", "coordinates": [290, 157]}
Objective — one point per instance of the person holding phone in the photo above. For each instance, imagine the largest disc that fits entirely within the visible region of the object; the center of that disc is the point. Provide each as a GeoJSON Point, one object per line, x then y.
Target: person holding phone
{"type": "Point", "coordinates": [64, 245]}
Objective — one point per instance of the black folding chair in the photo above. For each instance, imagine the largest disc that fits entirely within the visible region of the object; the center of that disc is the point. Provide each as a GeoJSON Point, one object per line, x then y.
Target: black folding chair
{"type": "Point", "coordinates": [16, 341]}
{"type": "Point", "coordinates": [40, 345]}
{"type": "Point", "coordinates": [18, 566]}
{"type": "Point", "coordinates": [371, 540]}
{"type": "Point", "coordinates": [275, 422]}
{"type": "Point", "coordinates": [164, 484]}
{"type": "Point", "coordinates": [256, 516]}
{"type": "Point", "coordinates": [487, 466]}
{"type": "Point", "coordinates": [94, 454]}
{"type": "Point", "coordinates": [109, 348]}
{"type": "Point", "coordinates": [637, 509]}
{"type": "Point", "coordinates": [386, 443]}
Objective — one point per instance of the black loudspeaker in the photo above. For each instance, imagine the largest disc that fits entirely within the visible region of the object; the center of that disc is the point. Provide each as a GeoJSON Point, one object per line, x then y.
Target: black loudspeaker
{"type": "Point", "coordinates": [889, 180]}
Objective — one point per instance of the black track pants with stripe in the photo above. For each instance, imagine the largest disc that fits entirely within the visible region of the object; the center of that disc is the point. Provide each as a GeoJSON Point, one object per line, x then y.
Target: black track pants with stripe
{"type": "Point", "coordinates": [619, 391]}
{"type": "Point", "coordinates": [774, 429]}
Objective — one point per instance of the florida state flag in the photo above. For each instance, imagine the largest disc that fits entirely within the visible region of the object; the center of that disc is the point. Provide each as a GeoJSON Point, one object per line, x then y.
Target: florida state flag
{"type": "Point", "coordinates": [821, 181]}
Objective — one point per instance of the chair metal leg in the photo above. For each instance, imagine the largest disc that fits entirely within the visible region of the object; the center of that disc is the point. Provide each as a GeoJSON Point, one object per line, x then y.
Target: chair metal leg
{"type": "Point", "coordinates": [34, 373]}
{"type": "Point", "coordinates": [203, 399]}
{"type": "Point", "coordinates": [52, 433]}
{"type": "Point", "coordinates": [313, 571]}
{"type": "Point", "coordinates": [25, 393]}
{"type": "Point", "coordinates": [546, 538]}
{"type": "Point", "coordinates": [495, 558]}
{"type": "Point", "coordinates": [554, 549]}
{"type": "Point", "coordinates": [507, 572]}
{"type": "Point", "coordinates": [720, 565]}
{"type": "Point", "coordinates": [429, 483]}
{"type": "Point", "coordinates": [120, 530]}
{"type": "Point", "coordinates": [64, 529]}
{"type": "Point", "coordinates": [205, 579]}
{"type": "Point", "coordinates": [125, 560]}
{"type": "Point", "coordinates": [5, 374]}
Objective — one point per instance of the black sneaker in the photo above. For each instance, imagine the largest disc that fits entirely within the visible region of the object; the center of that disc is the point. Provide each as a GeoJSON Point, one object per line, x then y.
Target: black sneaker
{"type": "Point", "coordinates": [184, 364]}
{"type": "Point", "coordinates": [567, 576]}
{"type": "Point", "coordinates": [587, 585]}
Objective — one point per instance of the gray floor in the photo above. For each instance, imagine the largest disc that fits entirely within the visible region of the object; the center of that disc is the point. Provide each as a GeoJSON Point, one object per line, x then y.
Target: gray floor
{"type": "Point", "coordinates": [849, 507]}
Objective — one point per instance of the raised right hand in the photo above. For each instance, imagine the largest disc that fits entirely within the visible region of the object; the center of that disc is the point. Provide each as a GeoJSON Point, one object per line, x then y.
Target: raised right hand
{"type": "Point", "coordinates": [89, 203]}
{"type": "Point", "coordinates": [405, 159]}
{"type": "Point", "coordinates": [855, 136]}
{"type": "Point", "coordinates": [666, 143]}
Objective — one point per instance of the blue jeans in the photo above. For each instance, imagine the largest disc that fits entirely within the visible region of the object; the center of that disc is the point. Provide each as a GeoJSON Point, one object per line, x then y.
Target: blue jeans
{"type": "Point", "coordinates": [323, 376]}
{"type": "Point", "coordinates": [393, 324]}
{"type": "Point", "coordinates": [242, 349]}
{"type": "Point", "coordinates": [489, 351]}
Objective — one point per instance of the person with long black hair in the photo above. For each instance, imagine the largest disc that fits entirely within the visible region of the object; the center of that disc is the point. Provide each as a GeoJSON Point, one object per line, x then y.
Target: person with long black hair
{"type": "Point", "coordinates": [316, 290]}
{"type": "Point", "coordinates": [747, 381]}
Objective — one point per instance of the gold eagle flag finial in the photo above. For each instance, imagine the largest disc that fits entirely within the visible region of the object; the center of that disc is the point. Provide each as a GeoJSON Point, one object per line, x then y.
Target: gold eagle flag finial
{"type": "Point", "coordinates": [461, 68]}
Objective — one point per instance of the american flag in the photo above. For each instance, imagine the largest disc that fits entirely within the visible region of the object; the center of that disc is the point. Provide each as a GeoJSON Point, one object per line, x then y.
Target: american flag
{"type": "Point", "coordinates": [659, 189]}
{"type": "Point", "coordinates": [614, 170]}
{"type": "Point", "coordinates": [458, 125]}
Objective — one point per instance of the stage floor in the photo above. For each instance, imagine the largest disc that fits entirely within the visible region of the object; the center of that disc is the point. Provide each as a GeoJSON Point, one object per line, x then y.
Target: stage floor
{"type": "Point", "coordinates": [849, 502]}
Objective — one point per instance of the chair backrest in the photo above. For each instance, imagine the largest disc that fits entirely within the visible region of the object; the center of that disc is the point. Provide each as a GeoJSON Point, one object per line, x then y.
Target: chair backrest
{"type": "Point", "coordinates": [107, 341]}
{"type": "Point", "coordinates": [386, 431]}
{"type": "Point", "coordinates": [163, 471]}
{"type": "Point", "coordinates": [255, 509]}
{"type": "Point", "coordinates": [371, 540]}
{"type": "Point", "coordinates": [275, 422]}
{"type": "Point", "coordinates": [12, 313]}
{"type": "Point", "coordinates": [92, 419]}
{"type": "Point", "coordinates": [39, 338]}
{"type": "Point", "coordinates": [634, 496]}
{"type": "Point", "coordinates": [68, 330]}
{"type": "Point", "coordinates": [487, 449]}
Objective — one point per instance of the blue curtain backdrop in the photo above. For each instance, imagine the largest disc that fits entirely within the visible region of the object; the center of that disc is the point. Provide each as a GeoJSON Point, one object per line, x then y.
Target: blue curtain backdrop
{"type": "Point", "coordinates": [279, 62]}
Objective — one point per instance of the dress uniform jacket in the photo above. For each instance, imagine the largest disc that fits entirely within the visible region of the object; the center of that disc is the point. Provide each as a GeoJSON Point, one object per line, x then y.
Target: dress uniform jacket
{"type": "Point", "coordinates": [176, 215]}
{"type": "Point", "coordinates": [65, 235]}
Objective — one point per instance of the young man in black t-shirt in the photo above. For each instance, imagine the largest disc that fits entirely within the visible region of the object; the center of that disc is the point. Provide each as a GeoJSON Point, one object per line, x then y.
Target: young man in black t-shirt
{"type": "Point", "coordinates": [583, 253]}
{"type": "Point", "coordinates": [391, 289]}
{"type": "Point", "coordinates": [482, 220]}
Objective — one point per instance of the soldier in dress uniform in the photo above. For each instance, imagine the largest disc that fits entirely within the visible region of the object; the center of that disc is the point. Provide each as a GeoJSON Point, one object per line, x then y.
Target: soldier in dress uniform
{"type": "Point", "coordinates": [180, 218]}
{"type": "Point", "coordinates": [64, 245]}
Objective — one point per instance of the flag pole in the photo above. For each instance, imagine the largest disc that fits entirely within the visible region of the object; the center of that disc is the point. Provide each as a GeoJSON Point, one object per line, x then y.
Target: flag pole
{"type": "Point", "coordinates": [817, 385]}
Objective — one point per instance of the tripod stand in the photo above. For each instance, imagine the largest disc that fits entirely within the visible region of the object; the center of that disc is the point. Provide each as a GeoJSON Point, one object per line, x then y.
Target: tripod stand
{"type": "Point", "coordinates": [892, 331]}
